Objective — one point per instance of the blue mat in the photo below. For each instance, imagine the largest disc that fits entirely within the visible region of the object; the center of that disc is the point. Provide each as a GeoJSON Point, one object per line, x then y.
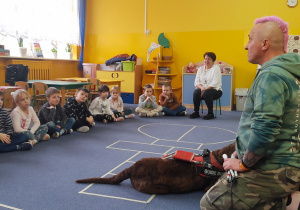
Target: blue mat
{"type": "Point", "coordinates": [44, 178]}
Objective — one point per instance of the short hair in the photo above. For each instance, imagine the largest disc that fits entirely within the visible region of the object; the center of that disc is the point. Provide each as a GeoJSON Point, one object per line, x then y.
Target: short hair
{"type": "Point", "coordinates": [211, 55]}
{"type": "Point", "coordinates": [1, 93]}
{"type": "Point", "coordinates": [103, 88]}
{"type": "Point", "coordinates": [17, 94]}
{"type": "Point", "coordinates": [281, 24]}
{"type": "Point", "coordinates": [82, 89]}
{"type": "Point", "coordinates": [168, 84]}
{"type": "Point", "coordinates": [115, 88]}
{"type": "Point", "coordinates": [50, 91]}
{"type": "Point", "coordinates": [148, 86]}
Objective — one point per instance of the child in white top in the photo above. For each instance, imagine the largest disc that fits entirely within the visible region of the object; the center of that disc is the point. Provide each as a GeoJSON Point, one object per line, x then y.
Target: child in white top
{"type": "Point", "coordinates": [116, 105]}
{"type": "Point", "coordinates": [100, 107]}
{"type": "Point", "coordinates": [23, 115]}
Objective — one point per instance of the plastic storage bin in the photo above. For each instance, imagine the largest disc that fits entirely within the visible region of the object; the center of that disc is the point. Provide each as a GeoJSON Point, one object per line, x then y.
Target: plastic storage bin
{"type": "Point", "coordinates": [89, 70]}
{"type": "Point", "coordinates": [128, 65]}
{"type": "Point", "coordinates": [241, 95]}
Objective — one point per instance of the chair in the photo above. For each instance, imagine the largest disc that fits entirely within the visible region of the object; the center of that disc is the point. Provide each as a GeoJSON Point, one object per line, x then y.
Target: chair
{"type": "Point", "coordinates": [71, 92]}
{"type": "Point", "coordinates": [8, 101]}
{"type": "Point", "coordinates": [23, 85]}
{"type": "Point", "coordinates": [94, 87]}
{"type": "Point", "coordinates": [218, 103]}
{"type": "Point", "coordinates": [39, 93]}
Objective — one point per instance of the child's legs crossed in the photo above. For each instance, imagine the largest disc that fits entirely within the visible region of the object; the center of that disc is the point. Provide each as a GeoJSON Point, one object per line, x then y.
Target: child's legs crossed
{"type": "Point", "coordinates": [69, 124]}
{"type": "Point", "coordinates": [80, 123]}
{"type": "Point", "coordinates": [52, 127]}
{"type": "Point", "coordinates": [41, 132]}
{"type": "Point", "coordinates": [168, 111]}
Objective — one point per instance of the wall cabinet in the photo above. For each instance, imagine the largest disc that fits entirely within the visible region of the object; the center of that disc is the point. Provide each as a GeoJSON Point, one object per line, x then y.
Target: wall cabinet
{"type": "Point", "coordinates": [131, 85]}
{"type": "Point", "coordinates": [227, 86]}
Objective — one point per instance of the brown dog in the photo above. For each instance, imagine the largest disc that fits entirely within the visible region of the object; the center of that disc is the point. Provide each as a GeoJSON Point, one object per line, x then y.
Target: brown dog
{"type": "Point", "coordinates": [161, 176]}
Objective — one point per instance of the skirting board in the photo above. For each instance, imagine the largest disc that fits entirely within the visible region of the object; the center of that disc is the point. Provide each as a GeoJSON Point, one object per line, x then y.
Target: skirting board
{"type": "Point", "coordinates": [224, 108]}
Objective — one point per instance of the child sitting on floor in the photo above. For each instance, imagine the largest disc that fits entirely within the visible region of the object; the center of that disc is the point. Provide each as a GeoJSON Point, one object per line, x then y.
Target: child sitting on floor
{"type": "Point", "coordinates": [9, 141]}
{"type": "Point", "coordinates": [77, 108]}
{"type": "Point", "coordinates": [25, 119]}
{"type": "Point", "coordinates": [147, 103]}
{"type": "Point", "coordinates": [170, 103]}
{"type": "Point", "coordinates": [53, 115]}
{"type": "Point", "coordinates": [100, 107]}
{"type": "Point", "coordinates": [116, 104]}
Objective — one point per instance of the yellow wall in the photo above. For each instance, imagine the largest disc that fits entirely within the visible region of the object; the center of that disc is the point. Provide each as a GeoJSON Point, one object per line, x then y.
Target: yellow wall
{"type": "Point", "coordinates": [192, 26]}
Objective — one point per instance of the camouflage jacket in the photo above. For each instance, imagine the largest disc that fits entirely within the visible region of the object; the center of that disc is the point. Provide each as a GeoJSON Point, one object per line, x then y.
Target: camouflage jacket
{"type": "Point", "coordinates": [269, 124]}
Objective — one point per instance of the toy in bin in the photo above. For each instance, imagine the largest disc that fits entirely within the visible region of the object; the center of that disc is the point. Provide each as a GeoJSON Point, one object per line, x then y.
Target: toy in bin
{"type": "Point", "coordinates": [190, 68]}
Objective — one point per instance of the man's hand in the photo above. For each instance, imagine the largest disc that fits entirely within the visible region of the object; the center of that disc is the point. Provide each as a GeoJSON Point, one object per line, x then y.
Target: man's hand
{"type": "Point", "coordinates": [232, 163]}
{"type": "Point", "coordinates": [5, 138]}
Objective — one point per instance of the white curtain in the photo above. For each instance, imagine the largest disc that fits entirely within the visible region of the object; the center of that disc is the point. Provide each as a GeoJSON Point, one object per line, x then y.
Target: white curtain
{"type": "Point", "coordinates": [40, 20]}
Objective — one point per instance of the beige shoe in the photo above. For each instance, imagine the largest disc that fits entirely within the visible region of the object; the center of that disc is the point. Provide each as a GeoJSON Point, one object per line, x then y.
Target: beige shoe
{"type": "Point", "coordinates": [46, 137]}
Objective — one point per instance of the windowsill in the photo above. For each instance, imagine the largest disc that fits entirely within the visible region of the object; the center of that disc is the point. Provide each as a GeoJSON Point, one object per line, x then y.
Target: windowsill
{"type": "Point", "coordinates": [31, 58]}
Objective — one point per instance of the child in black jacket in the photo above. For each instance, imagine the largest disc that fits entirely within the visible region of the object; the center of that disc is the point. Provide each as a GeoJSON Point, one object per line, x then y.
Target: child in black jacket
{"type": "Point", "coordinates": [77, 108]}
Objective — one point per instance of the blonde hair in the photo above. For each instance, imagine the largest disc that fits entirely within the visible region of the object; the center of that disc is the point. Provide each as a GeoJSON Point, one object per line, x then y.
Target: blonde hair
{"type": "Point", "coordinates": [115, 88]}
{"type": "Point", "coordinates": [168, 84]}
{"type": "Point", "coordinates": [18, 93]}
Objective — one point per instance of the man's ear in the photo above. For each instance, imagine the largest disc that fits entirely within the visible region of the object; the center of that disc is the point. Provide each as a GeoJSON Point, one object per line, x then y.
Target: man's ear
{"type": "Point", "coordinates": [266, 44]}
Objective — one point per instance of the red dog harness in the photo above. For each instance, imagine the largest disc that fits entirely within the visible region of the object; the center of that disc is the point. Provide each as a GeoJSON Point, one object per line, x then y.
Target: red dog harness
{"type": "Point", "coordinates": [206, 164]}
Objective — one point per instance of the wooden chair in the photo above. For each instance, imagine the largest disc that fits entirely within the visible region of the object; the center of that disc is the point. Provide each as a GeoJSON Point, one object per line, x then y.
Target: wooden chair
{"type": "Point", "coordinates": [39, 94]}
{"type": "Point", "coordinates": [8, 101]}
{"type": "Point", "coordinates": [23, 85]}
{"type": "Point", "coordinates": [94, 87]}
{"type": "Point", "coordinates": [71, 92]}
{"type": "Point", "coordinates": [218, 103]}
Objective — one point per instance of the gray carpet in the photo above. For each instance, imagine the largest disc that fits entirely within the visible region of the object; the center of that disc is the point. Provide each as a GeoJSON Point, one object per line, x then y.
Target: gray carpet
{"type": "Point", "coordinates": [44, 178]}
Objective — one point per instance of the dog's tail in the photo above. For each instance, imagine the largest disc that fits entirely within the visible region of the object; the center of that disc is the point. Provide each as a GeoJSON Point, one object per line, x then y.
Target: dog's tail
{"type": "Point", "coordinates": [116, 179]}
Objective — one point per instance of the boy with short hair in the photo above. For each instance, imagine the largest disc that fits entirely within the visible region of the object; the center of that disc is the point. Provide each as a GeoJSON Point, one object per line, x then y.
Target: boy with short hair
{"type": "Point", "coordinates": [147, 103]}
{"type": "Point", "coordinates": [77, 108]}
{"type": "Point", "coordinates": [100, 106]}
{"type": "Point", "coordinates": [8, 141]}
{"type": "Point", "coordinates": [170, 103]}
{"type": "Point", "coordinates": [54, 116]}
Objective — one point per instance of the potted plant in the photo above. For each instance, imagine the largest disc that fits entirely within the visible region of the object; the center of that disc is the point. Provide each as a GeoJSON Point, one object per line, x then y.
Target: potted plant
{"type": "Point", "coordinates": [54, 52]}
{"type": "Point", "coordinates": [23, 50]}
{"type": "Point", "coordinates": [69, 50]}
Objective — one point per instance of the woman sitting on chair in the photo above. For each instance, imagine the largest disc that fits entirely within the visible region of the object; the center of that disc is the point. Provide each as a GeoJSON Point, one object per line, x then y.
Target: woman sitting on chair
{"type": "Point", "coordinates": [208, 83]}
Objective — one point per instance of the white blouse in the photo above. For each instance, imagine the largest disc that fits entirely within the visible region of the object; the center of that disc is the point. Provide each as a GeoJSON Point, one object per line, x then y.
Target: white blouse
{"type": "Point", "coordinates": [209, 77]}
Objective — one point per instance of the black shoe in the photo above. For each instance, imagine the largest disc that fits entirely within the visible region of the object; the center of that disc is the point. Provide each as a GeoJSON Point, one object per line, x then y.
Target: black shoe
{"type": "Point", "coordinates": [209, 116]}
{"type": "Point", "coordinates": [195, 115]}
{"type": "Point", "coordinates": [25, 146]}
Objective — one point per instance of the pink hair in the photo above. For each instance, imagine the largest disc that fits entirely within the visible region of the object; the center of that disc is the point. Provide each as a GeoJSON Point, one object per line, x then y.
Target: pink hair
{"type": "Point", "coordinates": [283, 25]}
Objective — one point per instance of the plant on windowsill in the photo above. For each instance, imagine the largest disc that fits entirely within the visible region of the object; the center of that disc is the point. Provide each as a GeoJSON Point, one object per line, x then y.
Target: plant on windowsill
{"type": "Point", "coordinates": [54, 52]}
{"type": "Point", "coordinates": [23, 50]}
{"type": "Point", "coordinates": [69, 50]}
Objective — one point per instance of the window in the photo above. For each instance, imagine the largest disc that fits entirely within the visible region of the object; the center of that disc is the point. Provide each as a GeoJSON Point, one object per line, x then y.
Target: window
{"type": "Point", "coordinates": [43, 21]}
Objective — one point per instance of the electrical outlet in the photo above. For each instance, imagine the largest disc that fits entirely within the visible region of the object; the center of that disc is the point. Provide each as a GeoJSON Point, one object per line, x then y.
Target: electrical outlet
{"type": "Point", "coordinates": [147, 32]}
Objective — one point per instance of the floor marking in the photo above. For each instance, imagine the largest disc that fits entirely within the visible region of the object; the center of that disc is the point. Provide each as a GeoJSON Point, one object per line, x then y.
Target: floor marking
{"type": "Point", "coordinates": [9, 207]}
{"type": "Point", "coordinates": [186, 133]}
{"type": "Point", "coordinates": [121, 198]}
{"type": "Point", "coordinates": [157, 142]}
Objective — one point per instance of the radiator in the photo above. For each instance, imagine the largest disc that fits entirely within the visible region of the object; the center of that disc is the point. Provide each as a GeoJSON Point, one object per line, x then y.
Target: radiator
{"type": "Point", "coordinates": [41, 70]}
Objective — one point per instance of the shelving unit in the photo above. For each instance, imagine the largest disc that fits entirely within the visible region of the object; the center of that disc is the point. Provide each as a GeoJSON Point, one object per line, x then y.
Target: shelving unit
{"type": "Point", "coordinates": [227, 85]}
{"type": "Point", "coordinates": [163, 71]}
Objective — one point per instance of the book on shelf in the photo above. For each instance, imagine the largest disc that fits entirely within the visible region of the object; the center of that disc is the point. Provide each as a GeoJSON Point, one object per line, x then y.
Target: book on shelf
{"type": "Point", "coordinates": [37, 50]}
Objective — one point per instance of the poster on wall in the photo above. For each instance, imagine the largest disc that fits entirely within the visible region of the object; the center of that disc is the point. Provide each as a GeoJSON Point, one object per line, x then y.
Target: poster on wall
{"type": "Point", "coordinates": [294, 44]}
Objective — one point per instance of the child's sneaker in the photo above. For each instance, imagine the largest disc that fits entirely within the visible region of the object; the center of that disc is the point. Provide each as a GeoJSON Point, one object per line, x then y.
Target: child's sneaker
{"type": "Point", "coordinates": [70, 131]}
{"type": "Point", "coordinates": [25, 146]}
{"type": "Point", "coordinates": [156, 115]}
{"type": "Point", "coordinates": [130, 116]}
{"type": "Point", "coordinates": [83, 129]}
{"type": "Point", "coordinates": [183, 113]}
{"type": "Point", "coordinates": [93, 124]}
{"type": "Point", "coordinates": [142, 114]}
{"type": "Point", "coordinates": [56, 135]}
{"type": "Point", "coordinates": [46, 137]}
{"type": "Point", "coordinates": [163, 114]}
{"type": "Point", "coordinates": [120, 119]}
